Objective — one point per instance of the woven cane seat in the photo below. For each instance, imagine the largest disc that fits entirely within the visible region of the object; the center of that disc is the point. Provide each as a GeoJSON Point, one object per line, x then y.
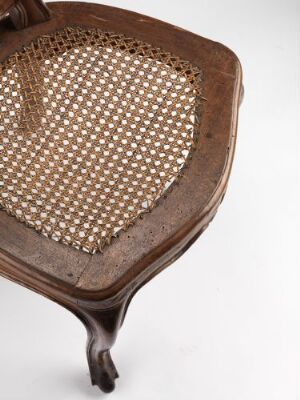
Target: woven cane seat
{"type": "Point", "coordinates": [117, 136]}
{"type": "Point", "coordinates": [94, 128]}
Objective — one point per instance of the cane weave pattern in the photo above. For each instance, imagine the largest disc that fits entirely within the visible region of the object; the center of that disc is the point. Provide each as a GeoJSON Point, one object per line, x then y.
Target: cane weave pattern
{"type": "Point", "coordinates": [94, 129]}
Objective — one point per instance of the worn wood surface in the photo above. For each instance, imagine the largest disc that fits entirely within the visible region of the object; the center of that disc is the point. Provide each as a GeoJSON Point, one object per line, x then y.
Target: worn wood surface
{"type": "Point", "coordinates": [98, 288]}
{"type": "Point", "coordinates": [184, 207]}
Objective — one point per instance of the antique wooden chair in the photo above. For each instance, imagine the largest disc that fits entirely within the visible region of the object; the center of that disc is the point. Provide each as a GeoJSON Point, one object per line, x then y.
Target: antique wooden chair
{"type": "Point", "coordinates": [117, 134]}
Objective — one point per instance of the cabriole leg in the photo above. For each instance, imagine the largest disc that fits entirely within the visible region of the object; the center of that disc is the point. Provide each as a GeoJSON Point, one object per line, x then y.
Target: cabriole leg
{"type": "Point", "coordinates": [102, 327]}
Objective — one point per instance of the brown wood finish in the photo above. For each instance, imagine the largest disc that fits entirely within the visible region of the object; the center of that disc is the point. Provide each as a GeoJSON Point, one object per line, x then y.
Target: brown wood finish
{"type": "Point", "coordinates": [24, 13]}
{"type": "Point", "coordinates": [98, 288]}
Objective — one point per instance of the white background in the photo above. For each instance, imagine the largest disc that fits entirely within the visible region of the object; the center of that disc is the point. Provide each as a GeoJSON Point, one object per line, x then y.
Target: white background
{"type": "Point", "coordinates": [223, 323]}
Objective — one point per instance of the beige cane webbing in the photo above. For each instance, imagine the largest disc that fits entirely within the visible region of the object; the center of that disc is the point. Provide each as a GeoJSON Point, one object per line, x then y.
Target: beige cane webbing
{"type": "Point", "coordinates": [94, 127]}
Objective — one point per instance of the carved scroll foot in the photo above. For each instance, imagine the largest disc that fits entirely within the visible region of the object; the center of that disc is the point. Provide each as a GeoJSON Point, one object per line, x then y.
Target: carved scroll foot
{"type": "Point", "coordinates": [102, 327]}
{"type": "Point", "coordinates": [103, 371]}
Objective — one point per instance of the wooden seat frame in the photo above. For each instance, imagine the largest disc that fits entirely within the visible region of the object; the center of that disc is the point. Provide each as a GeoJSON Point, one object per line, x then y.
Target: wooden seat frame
{"type": "Point", "coordinates": [98, 288]}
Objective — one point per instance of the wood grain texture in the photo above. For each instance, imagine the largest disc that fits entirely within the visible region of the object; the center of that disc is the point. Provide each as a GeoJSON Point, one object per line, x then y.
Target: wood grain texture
{"type": "Point", "coordinates": [183, 208]}
{"type": "Point", "coordinates": [99, 287]}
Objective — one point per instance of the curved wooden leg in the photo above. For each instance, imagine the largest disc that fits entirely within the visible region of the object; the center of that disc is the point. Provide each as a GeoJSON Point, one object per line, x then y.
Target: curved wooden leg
{"type": "Point", "coordinates": [102, 327]}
